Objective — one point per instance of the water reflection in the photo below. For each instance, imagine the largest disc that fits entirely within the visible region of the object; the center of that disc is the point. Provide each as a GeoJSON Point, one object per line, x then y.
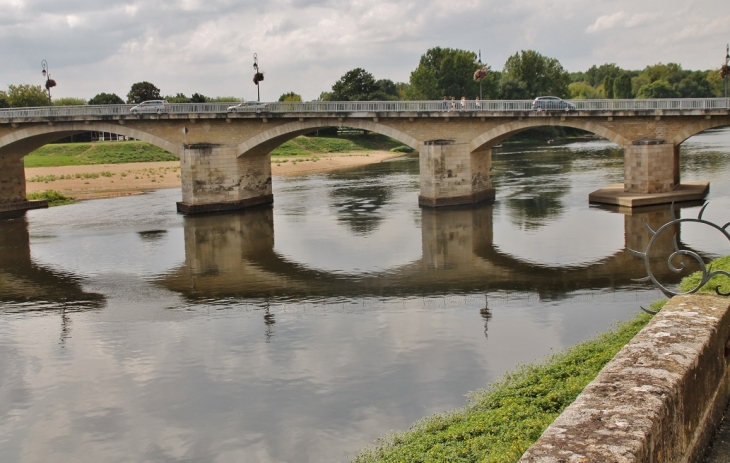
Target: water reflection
{"type": "Point", "coordinates": [233, 255]}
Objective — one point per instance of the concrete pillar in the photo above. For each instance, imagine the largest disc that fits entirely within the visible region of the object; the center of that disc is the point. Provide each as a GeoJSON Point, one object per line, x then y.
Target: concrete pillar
{"type": "Point", "coordinates": [449, 237]}
{"type": "Point", "coordinates": [214, 178]}
{"type": "Point", "coordinates": [651, 166]}
{"type": "Point", "coordinates": [452, 175]}
{"type": "Point", "coordinates": [12, 186]}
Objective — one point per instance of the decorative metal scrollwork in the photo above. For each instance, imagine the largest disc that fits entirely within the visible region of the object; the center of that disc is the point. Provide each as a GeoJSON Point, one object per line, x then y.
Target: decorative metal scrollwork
{"type": "Point", "coordinates": [707, 272]}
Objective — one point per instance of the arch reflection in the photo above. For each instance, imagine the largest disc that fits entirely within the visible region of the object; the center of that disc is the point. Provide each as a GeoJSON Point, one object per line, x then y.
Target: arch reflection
{"type": "Point", "coordinates": [233, 255]}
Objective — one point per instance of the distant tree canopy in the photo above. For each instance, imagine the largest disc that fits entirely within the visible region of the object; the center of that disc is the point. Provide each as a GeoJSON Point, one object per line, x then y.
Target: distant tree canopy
{"type": "Point", "coordinates": [448, 72]}
{"type": "Point", "coordinates": [657, 89]}
{"type": "Point", "coordinates": [290, 96]}
{"type": "Point", "coordinates": [106, 98]}
{"type": "Point", "coordinates": [4, 100]}
{"type": "Point", "coordinates": [26, 95]}
{"type": "Point", "coordinates": [622, 86]}
{"type": "Point", "coordinates": [143, 91]}
{"type": "Point", "coordinates": [528, 74]}
{"type": "Point", "coordinates": [69, 101]}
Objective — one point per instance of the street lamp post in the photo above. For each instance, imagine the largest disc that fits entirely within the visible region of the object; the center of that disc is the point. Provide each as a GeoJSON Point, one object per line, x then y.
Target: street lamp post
{"type": "Point", "coordinates": [479, 63]}
{"type": "Point", "coordinates": [46, 72]}
{"type": "Point", "coordinates": [257, 77]}
{"type": "Point", "coordinates": [726, 69]}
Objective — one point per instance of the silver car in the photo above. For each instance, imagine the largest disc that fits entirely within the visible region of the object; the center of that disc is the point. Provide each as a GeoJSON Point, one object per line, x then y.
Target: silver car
{"type": "Point", "coordinates": [151, 106]}
{"type": "Point", "coordinates": [552, 103]}
{"type": "Point", "coordinates": [248, 107]}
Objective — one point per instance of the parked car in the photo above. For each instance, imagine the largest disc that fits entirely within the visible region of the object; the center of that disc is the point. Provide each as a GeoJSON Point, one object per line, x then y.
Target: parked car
{"type": "Point", "coordinates": [549, 103]}
{"type": "Point", "coordinates": [151, 106]}
{"type": "Point", "coordinates": [248, 107]}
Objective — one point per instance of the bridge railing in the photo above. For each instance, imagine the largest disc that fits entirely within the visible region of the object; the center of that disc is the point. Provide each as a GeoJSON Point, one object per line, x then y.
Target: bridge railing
{"type": "Point", "coordinates": [354, 107]}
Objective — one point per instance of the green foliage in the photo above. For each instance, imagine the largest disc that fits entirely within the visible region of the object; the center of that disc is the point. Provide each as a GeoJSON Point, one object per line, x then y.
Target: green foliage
{"type": "Point", "coordinates": [4, 100]}
{"type": "Point", "coordinates": [313, 145]}
{"type": "Point", "coordinates": [657, 89]}
{"type": "Point", "coordinates": [695, 85]}
{"type": "Point", "coordinates": [386, 90]}
{"type": "Point", "coordinates": [178, 98]}
{"type": "Point", "coordinates": [501, 422]}
{"type": "Point", "coordinates": [290, 96]}
{"type": "Point", "coordinates": [143, 91]}
{"type": "Point", "coordinates": [691, 281]}
{"type": "Point", "coordinates": [528, 74]}
{"type": "Point", "coordinates": [198, 98]}
{"type": "Point", "coordinates": [622, 86]}
{"type": "Point", "coordinates": [106, 98]}
{"type": "Point", "coordinates": [596, 75]}
{"type": "Point", "coordinates": [447, 72]}
{"type": "Point", "coordinates": [355, 85]}
{"type": "Point", "coordinates": [583, 91]}
{"type": "Point", "coordinates": [402, 149]}
{"type": "Point", "coordinates": [224, 99]}
{"type": "Point", "coordinates": [608, 87]}
{"type": "Point", "coordinates": [69, 101]}
{"type": "Point", "coordinates": [27, 95]}
{"type": "Point", "coordinates": [75, 154]}
{"type": "Point", "coordinates": [53, 197]}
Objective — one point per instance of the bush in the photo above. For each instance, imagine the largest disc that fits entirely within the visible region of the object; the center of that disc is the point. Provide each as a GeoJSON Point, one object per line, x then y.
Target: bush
{"type": "Point", "coordinates": [53, 197]}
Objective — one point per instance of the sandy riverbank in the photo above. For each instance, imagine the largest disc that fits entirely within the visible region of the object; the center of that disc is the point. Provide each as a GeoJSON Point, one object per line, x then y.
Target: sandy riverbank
{"type": "Point", "coordinates": [108, 180]}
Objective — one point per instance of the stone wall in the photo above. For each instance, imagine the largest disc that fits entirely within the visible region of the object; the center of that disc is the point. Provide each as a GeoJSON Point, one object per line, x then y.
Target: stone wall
{"type": "Point", "coordinates": [658, 400]}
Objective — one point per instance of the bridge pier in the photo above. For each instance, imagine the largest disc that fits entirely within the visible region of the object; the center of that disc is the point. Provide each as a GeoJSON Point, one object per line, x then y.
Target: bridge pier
{"type": "Point", "coordinates": [452, 175]}
{"type": "Point", "coordinates": [651, 176]}
{"type": "Point", "coordinates": [12, 187]}
{"type": "Point", "coordinates": [214, 179]}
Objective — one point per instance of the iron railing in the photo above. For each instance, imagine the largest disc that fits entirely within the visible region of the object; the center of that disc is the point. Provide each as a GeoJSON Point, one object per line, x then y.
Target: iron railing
{"type": "Point", "coordinates": [368, 107]}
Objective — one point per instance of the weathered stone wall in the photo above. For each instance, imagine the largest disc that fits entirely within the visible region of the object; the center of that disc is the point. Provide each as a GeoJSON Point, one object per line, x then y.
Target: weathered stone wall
{"type": "Point", "coordinates": [650, 167]}
{"type": "Point", "coordinates": [658, 400]}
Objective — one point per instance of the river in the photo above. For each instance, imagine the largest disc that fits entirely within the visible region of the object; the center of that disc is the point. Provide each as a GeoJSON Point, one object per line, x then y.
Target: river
{"type": "Point", "coordinates": [301, 332]}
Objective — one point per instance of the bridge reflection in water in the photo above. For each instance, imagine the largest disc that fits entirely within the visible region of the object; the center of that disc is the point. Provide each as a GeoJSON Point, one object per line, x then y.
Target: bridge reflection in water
{"type": "Point", "coordinates": [233, 255]}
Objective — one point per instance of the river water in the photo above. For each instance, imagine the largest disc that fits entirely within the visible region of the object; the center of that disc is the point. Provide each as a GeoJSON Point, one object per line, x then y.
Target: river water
{"type": "Point", "coordinates": [301, 332]}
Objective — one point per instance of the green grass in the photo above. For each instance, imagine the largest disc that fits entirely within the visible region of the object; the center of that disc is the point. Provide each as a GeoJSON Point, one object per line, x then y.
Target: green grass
{"type": "Point", "coordinates": [502, 421]}
{"type": "Point", "coordinates": [77, 154]}
{"type": "Point", "coordinates": [313, 146]}
{"type": "Point", "coordinates": [53, 197]}
{"type": "Point", "coordinates": [691, 281]}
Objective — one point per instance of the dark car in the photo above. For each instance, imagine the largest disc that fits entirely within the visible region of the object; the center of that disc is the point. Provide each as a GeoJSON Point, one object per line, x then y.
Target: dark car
{"type": "Point", "coordinates": [549, 103]}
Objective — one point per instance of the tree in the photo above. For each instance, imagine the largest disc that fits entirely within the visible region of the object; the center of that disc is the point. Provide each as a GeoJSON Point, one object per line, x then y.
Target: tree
{"type": "Point", "coordinates": [290, 96]}
{"type": "Point", "coordinates": [355, 85]}
{"type": "Point", "coordinates": [69, 101]}
{"type": "Point", "coordinates": [596, 75]}
{"type": "Point", "coordinates": [528, 74]}
{"type": "Point", "coordinates": [447, 72]}
{"type": "Point", "coordinates": [583, 91]}
{"type": "Point", "coordinates": [4, 100]}
{"type": "Point", "coordinates": [622, 86]}
{"type": "Point", "coordinates": [198, 98]}
{"type": "Point", "coordinates": [657, 89]}
{"type": "Point", "coordinates": [178, 98]}
{"type": "Point", "coordinates": [695, 85]}
{"type": "Point", "coordinates": [106, 98]}
{"type": "Point", "coordinates": [142, 91]}
{"type": "Point", "coordinates": [608, 87]}
{"type": "Point", "coordinates": [27, 95]}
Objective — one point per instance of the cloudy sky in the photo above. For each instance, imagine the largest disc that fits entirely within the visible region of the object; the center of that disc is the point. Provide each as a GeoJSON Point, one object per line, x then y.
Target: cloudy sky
{"type": "Point", "coordinates": [207, 46]}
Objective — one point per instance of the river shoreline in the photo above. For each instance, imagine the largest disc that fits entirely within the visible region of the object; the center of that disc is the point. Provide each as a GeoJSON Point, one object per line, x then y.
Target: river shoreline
{"type": "Point", "coordinates": [112, 180]}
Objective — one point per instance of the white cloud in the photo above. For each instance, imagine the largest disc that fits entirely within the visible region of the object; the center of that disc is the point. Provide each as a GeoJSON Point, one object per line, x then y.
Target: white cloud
{"type": "Point", "coordinates": [606, 22]}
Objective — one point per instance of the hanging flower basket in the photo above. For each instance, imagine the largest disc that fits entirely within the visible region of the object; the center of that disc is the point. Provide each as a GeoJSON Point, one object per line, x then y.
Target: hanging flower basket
{"type": "Point", "coordinates": [724, 71]}
{"type": "Point", "coordinates": [258, 77]}
{"type": "Point", "coordinates": [50, 83]}
{"type": "Point", "coordinates": [481, 73]}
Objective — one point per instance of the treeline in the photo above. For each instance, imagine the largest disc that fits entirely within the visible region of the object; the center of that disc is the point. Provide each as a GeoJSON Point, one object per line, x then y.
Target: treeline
{"type": "Point", "coordinates": [449, 72]}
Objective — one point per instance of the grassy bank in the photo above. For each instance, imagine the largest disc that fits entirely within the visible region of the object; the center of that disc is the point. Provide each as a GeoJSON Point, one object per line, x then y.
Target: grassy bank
{"type": "Point", "coordinates": [76, 154]}
{"type": "Point", "coordinates": [53, 197]}
{"type": "Point", "coordinates": [502, 421]}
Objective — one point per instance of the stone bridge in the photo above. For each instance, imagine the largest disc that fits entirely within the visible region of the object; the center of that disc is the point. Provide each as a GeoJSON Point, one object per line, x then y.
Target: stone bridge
{"type": "Point", "coordinates": [226, 164]}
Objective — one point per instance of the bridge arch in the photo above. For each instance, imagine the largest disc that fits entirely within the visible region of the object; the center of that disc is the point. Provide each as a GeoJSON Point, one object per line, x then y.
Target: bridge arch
{"type": "Point", "coordinates": [272, 138]}
{"type": "Point", "coordinates": [504, 131]}
{"type": "Point", "coordinates": [27, 139]}
{"type": "Point", "coordinates": [691, 130]}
